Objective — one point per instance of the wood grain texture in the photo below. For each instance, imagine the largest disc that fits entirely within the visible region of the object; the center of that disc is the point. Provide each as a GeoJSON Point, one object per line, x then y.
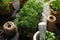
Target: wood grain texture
{"type": "Point", "coordinates": [51, 20]}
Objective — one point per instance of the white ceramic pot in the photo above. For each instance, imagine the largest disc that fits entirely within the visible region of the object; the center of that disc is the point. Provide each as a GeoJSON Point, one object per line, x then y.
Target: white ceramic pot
{"type": "Point", "coordinates": [36, 36]}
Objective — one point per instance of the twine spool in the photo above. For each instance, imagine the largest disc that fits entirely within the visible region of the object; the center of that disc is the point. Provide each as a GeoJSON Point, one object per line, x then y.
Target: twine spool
{"type": "Point", "coordinates": [51, 20]}
{"type": "Point", "coordinates": [10, 28]}
{"type": "Point", "coordinates": [56, 14]}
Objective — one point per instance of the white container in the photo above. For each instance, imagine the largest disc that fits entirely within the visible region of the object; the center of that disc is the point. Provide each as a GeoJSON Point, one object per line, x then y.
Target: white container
{"type": "Point", "coordinates": [42, 30]}
{"type": "Point", "coordinates": [36, 36]}
{"type": "Point", "coordinates": [41, 33]}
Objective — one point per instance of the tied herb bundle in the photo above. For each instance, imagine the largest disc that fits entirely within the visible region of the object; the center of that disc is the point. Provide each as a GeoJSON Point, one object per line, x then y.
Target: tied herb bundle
{"type": "Point", "coordinates": [29, 16]}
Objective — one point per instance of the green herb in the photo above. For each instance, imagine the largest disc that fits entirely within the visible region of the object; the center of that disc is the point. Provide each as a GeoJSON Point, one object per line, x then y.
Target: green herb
{"type": "Point", "coordinates": [29, 16]}
{"type": "Point", "coordinates": [56, 5]}
{"type": "Point", "coordinates": [50, 36]}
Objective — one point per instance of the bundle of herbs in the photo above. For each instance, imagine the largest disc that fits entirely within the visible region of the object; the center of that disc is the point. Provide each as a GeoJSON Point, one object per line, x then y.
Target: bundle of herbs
{"type": "Point", "coordinates": [29, 16]}
{"type": "Point", "coordinates": [50, 36]}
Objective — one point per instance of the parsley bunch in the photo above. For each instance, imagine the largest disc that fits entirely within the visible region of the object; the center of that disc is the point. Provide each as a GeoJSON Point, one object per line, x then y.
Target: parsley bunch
{"type": "Point", "coordinates": [29, 16]}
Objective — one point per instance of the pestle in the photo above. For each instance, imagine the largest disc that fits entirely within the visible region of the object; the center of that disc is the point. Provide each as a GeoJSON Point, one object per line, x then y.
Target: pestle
{"type": "Point", "coordinates": [42, 29]}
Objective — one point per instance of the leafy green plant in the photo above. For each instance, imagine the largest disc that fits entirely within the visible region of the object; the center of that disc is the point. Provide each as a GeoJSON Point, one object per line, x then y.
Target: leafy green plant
{"type": "Point", "coordinates": [29, 16]}
{"type": "Point", "coordinates": [55, 5]}
{"type": "Point", "coordinates": [50, 36]}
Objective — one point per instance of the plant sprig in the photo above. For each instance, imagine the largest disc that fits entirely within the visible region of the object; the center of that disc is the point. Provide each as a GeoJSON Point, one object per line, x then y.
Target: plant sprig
{"type": "Point", "coordinates": [55, 5]}
{"type": "Point", "coordinates": [50, 36]}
